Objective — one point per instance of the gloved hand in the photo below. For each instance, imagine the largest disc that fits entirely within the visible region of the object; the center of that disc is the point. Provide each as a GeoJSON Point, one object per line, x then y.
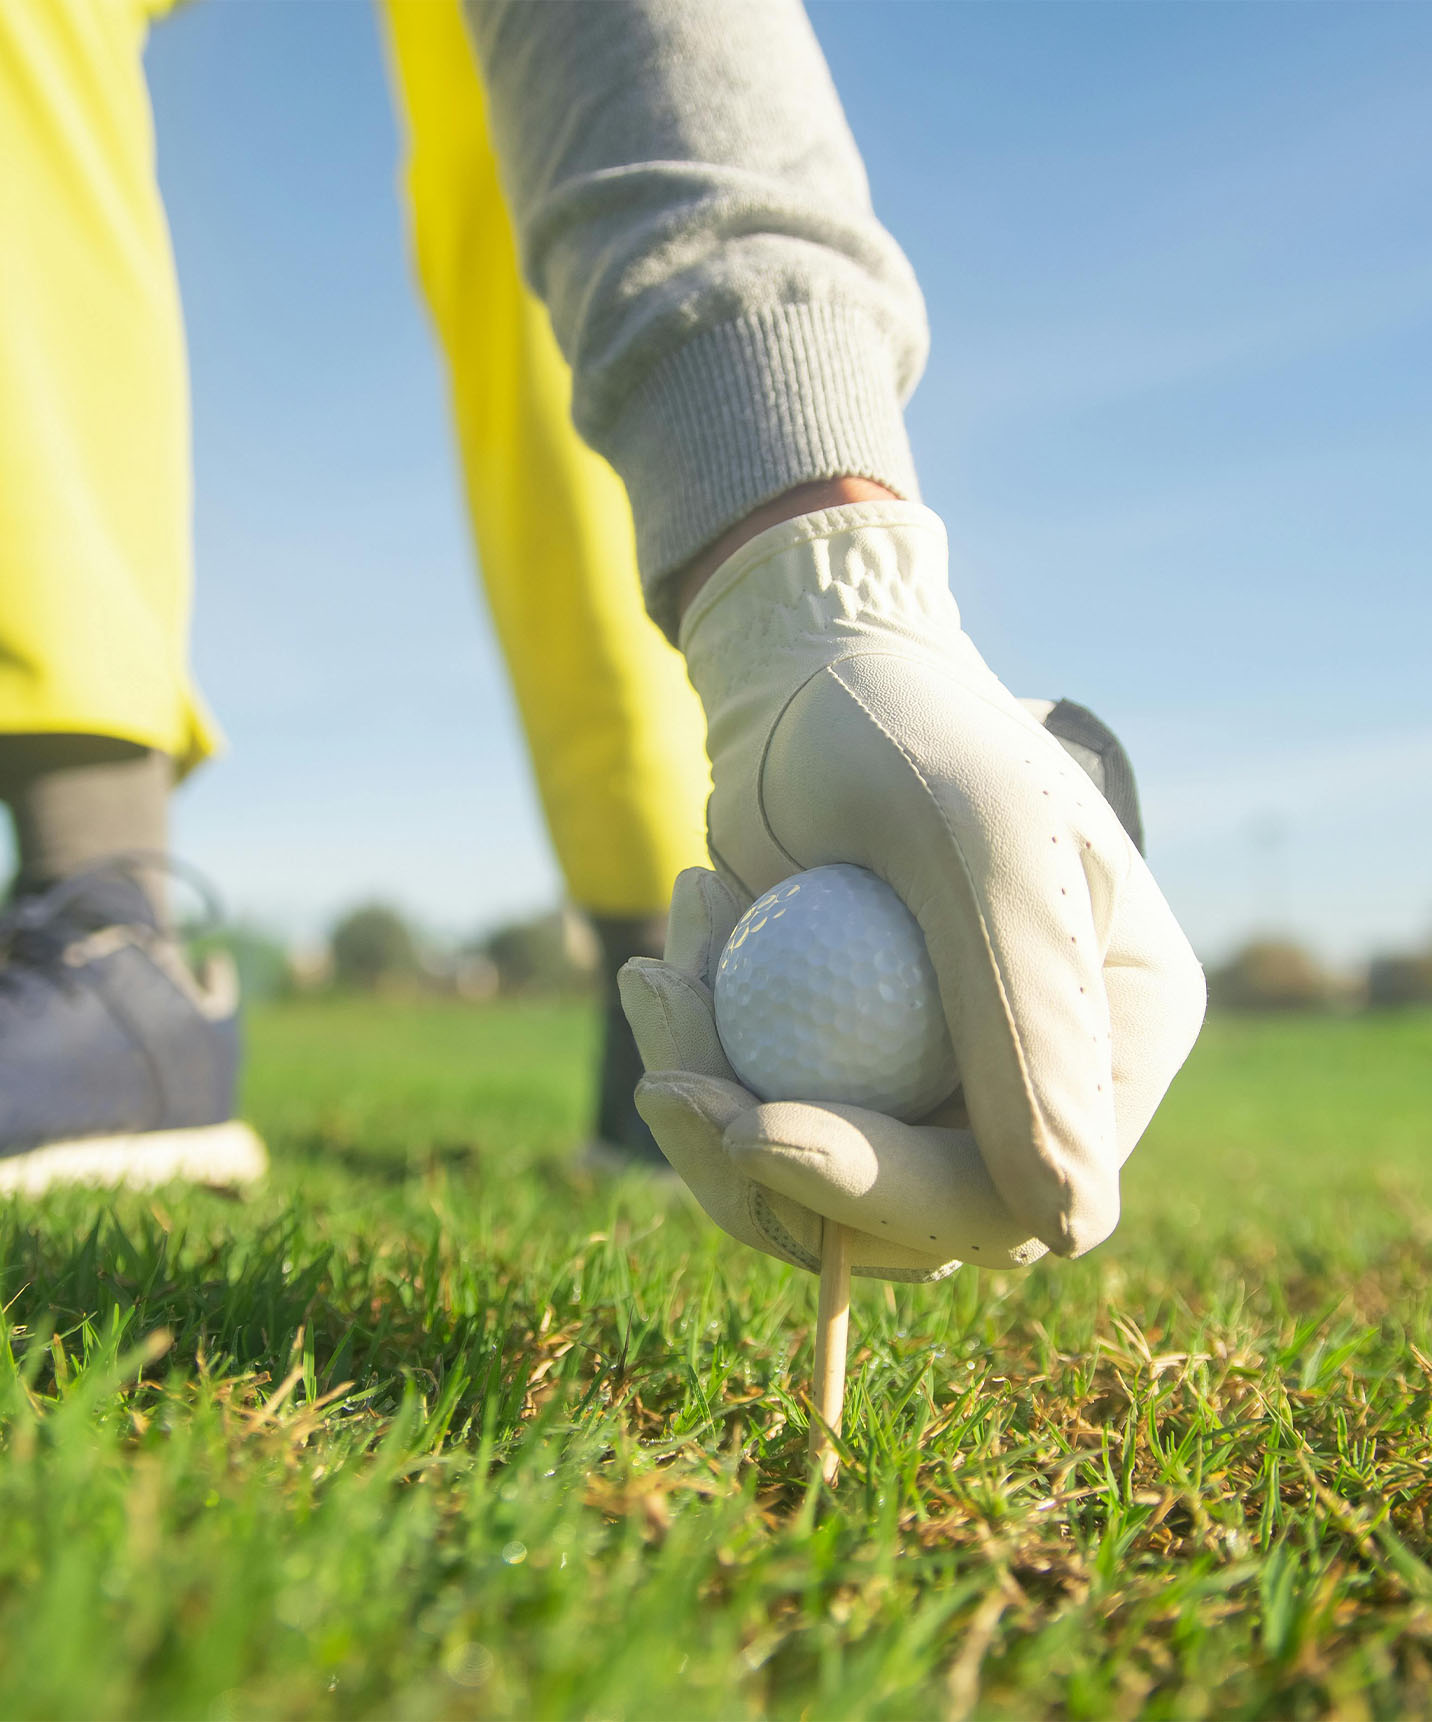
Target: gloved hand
{"type": "Point", "coordinates": [850, 719]}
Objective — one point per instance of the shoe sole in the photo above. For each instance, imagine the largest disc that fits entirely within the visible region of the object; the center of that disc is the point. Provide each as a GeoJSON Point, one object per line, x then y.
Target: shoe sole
{"type": "Point", "coordinates": [222, 1155]}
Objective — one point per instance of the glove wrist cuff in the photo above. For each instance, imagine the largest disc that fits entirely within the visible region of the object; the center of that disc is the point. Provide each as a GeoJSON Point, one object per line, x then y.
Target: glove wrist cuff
{"type": "Point", "coordinates": [812, 587]}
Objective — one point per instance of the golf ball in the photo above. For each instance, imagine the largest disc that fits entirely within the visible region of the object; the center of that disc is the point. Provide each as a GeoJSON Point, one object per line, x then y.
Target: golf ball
{"type": "Point", "coordinates": [825, 992]}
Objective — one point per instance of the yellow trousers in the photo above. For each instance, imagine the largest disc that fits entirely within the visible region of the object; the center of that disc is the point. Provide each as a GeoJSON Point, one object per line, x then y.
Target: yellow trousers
{"type": "Point", "coordinates": [95, 478]}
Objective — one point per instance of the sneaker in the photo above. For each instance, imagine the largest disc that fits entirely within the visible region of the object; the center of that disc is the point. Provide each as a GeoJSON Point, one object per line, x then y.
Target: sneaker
{"type": "Point", "coordinates": [118, 1062]}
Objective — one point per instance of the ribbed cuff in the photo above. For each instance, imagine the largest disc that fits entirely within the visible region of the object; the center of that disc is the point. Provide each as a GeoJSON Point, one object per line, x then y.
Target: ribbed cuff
{"type": "Point", "coordinates": [746, 411]}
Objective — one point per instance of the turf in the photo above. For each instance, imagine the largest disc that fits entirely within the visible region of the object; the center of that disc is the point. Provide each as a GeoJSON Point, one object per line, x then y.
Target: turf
{"type": "Point", "coordinates": [434, 1426]}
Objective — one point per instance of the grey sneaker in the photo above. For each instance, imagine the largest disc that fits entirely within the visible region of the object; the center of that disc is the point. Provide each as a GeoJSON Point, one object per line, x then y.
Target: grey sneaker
{"type": "Point", "coordinates": [118, 1062]}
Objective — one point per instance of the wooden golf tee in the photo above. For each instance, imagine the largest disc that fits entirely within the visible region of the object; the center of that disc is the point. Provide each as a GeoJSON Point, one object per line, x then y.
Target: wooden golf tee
{"type": "Point", "coordinates": [832, 1325]}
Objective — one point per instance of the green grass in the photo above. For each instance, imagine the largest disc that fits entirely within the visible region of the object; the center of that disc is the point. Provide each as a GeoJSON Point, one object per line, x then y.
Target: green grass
{"type": "Point", "coordinates": [433, 1426]}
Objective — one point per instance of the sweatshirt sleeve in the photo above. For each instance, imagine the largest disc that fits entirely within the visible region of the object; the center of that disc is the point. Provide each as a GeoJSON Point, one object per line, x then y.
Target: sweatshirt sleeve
{"type": "Point", "coordinates": [692, 208]}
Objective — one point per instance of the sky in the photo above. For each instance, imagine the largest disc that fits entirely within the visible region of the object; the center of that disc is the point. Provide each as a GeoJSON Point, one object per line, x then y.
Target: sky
{"type": "Point", "coordinates": [1177, 418]}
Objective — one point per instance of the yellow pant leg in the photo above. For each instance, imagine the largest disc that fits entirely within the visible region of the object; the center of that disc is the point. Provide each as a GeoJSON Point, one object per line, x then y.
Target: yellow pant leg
{"type": "Point", "coordinates": [95, 548]}
{"type": "Point", "coordinates": [614, 728]}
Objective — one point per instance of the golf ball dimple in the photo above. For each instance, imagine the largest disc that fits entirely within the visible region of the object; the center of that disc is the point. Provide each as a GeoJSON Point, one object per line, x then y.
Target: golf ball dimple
{"type": "Point", "coordinates": [825, 992]}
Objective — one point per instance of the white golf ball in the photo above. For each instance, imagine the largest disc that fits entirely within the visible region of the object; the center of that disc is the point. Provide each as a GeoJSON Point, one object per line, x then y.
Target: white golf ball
{"type": "Point", "coordinates": [825, 992]}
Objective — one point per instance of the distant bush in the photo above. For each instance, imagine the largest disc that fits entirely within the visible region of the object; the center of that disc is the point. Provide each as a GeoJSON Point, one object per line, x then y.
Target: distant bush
{"type": "Point", "coordinates": [373, 948]}
{"type": "Point", "coordinates": [1271, 975]}
{"type": "Point", "coordinates": [555, 953]}
{"type": "Point", "coordinates": [1396, 982]}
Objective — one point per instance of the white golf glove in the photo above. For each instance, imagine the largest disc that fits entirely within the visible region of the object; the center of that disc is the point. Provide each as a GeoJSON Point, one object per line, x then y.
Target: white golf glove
{"type": "Point", "coordinates": [850, 719]}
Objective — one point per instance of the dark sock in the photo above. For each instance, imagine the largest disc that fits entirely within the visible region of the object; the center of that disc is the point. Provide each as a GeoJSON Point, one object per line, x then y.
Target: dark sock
{"type": "Point", "coordinates": [618, 1121]}
{"type": "Point", "coordinates": [77, 800]}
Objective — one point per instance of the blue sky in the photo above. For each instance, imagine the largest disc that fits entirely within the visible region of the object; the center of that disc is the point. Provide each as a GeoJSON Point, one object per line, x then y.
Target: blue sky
{"type": "Point", "coordinates": [1178, 417]}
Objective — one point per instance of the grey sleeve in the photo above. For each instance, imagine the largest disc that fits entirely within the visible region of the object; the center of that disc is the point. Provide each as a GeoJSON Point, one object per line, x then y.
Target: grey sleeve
{"type": "Point", "coordinates": [692, 208]}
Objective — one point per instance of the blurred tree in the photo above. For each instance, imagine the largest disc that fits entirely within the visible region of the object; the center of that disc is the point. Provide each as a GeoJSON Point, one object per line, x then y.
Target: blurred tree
{"type": "Point", "coordinates": [1271, 974]}
{"type": "Point", "coordinates": [373, 947]}
{"type": "Point", "coordinates": [555, 953]}
{"type": "Point", "coordinates": [1395, 982]}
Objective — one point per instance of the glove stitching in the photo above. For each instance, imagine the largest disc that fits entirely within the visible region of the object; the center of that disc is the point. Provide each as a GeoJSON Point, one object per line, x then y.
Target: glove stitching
{"type": "Point", "coordinates": [766, 754]}
{"type": "Point", "coordinates": [763, 1217]}
{"type": "Point", "coordinates": [1060, 1177]}
{"type": "Point", "coordinates": [722, 864]}
{"type": "Point", "coordinates": [825, 669]}
{"type": "Point", "coordinates": [906, 1276]}
{"type": "Point", "coordinates": [672, 1042]}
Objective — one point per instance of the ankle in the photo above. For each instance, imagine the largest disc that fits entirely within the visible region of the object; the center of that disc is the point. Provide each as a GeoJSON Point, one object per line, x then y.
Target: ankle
{"type": "Point", "coordinates": [82, 801]}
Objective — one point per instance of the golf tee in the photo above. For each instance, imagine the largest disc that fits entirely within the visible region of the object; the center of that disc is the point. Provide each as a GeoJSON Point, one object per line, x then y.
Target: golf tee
{"type": "Point", "coordinates": [832, 1326]}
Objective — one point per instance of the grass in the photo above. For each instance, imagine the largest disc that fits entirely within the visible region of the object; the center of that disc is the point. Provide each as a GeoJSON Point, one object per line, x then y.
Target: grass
{"type": "Point", "coordinates": [434, 1426]}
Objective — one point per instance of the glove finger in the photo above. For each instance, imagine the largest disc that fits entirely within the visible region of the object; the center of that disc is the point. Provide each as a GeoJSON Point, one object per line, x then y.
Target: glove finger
{"type": "Point", "coordinates": [1157, 998]}
{"type": "Point", "coordinates": [704, 909]}
{"type": "Point", "coordinates": [672, 1018]}
{"type": "Point", "coordinates": [915, 1190]}
{"type": "Point", "coordinates": [688, 1116]}
{"type": "Point", "coordinates": [693, 1111]}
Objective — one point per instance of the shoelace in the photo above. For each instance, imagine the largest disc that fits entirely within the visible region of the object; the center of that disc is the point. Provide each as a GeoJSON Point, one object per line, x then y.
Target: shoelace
{"type": "Point", "coordinates": [35, 929]}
